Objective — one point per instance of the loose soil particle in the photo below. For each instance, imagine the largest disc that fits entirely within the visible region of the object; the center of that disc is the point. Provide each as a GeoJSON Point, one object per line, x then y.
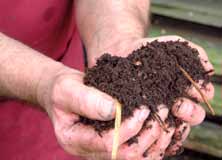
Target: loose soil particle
{"type": "Point", "coordinates": [148, 76]}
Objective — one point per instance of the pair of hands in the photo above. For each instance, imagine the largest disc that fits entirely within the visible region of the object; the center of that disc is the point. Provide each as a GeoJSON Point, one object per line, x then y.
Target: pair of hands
{"type": "Point", "coordinates": [69, 97]}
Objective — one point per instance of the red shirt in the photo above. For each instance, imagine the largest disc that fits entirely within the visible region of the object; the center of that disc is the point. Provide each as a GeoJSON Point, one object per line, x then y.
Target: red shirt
{"type": "Point", "coordinates": [49, 27]}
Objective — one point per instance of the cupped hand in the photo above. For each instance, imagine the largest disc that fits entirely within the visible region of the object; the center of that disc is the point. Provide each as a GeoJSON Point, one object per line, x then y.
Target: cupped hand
{"type": "Point", "coordinates": [67, 98]}
{"type": "Point", "coordinates": [154, 142]}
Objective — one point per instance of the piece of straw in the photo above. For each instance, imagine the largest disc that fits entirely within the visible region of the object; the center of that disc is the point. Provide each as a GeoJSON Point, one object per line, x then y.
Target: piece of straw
{"type": "Point", "coordinates": [162, 124]}
{"type": "Point", "coordinates": [197, 88]}
{"type": "Point", "coordinates": [116, 131]}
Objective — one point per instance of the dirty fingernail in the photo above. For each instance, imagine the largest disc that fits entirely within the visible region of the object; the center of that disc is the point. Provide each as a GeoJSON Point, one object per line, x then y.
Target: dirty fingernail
{"type": "Point", "coordinates": [107, 110]}
{"type": "Point", "coordinates": [185, 109]}
{"type": "Point", "coordinates": [143, 113]}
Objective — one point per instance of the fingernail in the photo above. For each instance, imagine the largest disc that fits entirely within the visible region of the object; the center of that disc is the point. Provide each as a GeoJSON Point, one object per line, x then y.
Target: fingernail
{"type": "Point", "coordinates": [185, 108]}
{"type": "Point", "coordinates": [107, 110]}
{"type": "Point", "coordinates": [143, 113]}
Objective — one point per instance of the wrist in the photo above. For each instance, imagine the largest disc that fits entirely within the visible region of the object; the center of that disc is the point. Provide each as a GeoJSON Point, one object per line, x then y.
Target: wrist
{"type": "Point", "coordinates": [109, 28]}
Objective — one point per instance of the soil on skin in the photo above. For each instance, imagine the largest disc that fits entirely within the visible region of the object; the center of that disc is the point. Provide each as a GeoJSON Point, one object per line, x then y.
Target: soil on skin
{"type": "Point", "coordinates": [148, 76]}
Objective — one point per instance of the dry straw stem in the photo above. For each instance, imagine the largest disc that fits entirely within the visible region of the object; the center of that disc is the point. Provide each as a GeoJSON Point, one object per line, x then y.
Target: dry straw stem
{"type": "Point", "coordinates": [197, 88]}
{"type": "Point", "coordinates": [116, 130]}
{"type": "Point", "coordinates": [158, 119]}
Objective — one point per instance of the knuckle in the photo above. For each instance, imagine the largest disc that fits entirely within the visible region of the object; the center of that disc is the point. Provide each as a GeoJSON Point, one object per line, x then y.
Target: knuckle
{"type": "Point", "coordinates": [59, 89]}
{"type": "Point", "coordinates": [132, 129]}
{"type": "Point", "coordinates": [54, 93]}
{"type": "Point", "coordinates": [65, 141]}
{"type": "Point", "coordinates": [92, 95]}
{"type": "Point", "coordinates": [63, 138]}
{"type": "Point", "coordinates": [99, 102]}
{"type": "Point", "coordinates": [163, 113]}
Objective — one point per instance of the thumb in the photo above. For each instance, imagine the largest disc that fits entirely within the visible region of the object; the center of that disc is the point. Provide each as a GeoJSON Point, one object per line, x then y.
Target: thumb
{"type": "Point", "coordinates": [83, 100]}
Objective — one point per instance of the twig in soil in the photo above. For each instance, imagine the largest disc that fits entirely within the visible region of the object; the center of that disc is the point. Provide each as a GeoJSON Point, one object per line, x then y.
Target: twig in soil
{"type": "Point", "coordinates": [197, 88]}
{"type": "Point", "coordinates": [116, 131]}
{"type": "Point", "coordinates": [162, 124]}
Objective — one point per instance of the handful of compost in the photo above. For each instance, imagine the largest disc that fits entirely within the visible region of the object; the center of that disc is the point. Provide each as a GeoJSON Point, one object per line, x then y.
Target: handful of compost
{"type": "Point", "coordinates": [157, 75]}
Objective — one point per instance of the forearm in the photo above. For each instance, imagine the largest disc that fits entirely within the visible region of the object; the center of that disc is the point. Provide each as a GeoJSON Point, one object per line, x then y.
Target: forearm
{"type": "Point", "coordinates": [22, 69]}
{"type": "Point", "coordinates": [104, 24]}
